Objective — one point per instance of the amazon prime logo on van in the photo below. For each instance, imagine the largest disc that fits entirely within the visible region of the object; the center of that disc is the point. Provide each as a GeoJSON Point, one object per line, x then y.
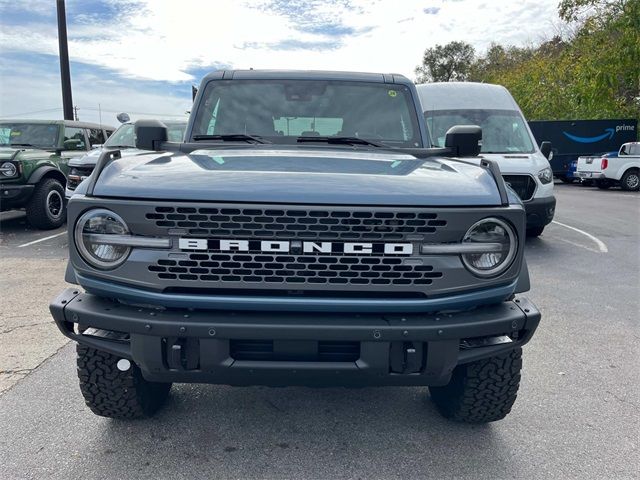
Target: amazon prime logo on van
{"type": "Point", "coordinates": [296, 246]}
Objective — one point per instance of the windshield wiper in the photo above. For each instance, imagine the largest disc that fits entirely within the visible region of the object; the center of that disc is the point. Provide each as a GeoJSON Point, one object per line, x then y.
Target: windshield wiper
{"type": "Point", "coordinates": [119, 146]}
{"type": "Point", "coordinates": [339, 141]}
{"type": "Point", "coordinates": [20, 145]}
{"type": "Point", "coordinates": [232, 137]}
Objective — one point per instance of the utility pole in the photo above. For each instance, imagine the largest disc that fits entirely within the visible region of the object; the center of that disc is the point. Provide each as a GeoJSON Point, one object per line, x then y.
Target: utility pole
{"type": "Point", "coordinates": [65, 75]}
{"type": "Point", "coordinates": [75, 113]}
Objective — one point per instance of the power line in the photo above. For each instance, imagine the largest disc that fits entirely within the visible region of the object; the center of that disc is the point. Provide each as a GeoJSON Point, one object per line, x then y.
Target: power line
{"type": "Point", "coordinates": [30, 113]}
{"type": "Point", "coordinates": [134, 113]}
{"type": "Point", "coordinates": [21, 114]}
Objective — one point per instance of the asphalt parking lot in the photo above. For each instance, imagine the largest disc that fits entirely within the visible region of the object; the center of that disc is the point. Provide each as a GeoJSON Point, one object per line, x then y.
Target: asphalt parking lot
{"type": "Point", "coordinates": [577, 414]}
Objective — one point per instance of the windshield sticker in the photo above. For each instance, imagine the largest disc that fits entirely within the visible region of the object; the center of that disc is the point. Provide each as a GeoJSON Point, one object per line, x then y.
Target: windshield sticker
{"type": "Point", "coordinates": [392, 93]}
{"type": "Point", "coordinates": [395, 164]}
{"type": "Point", "coordinates": [15, 133]}
{"type": "Point", "coordinates": [218, 160]}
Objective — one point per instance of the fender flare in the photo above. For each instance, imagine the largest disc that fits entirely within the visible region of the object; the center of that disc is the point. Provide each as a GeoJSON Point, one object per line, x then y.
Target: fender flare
{"type": "Point", "coordinates": [626, 167]}
{"type": "Point", "coordinates": [523, 284]}
{"type": "Point", "coordinates": [45, 170]}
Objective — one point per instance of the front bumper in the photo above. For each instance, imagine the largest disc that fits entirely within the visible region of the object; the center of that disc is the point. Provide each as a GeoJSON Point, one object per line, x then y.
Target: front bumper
{"type": "Point", "coordinates": [540, 211]}
{"type": "Point", "coordinates": [14, 196]}
{"type": "Point", "coordinates": [289, 348]}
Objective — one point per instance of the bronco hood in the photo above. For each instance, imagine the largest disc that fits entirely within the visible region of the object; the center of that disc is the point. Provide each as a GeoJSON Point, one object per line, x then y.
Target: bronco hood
{"type": "Point", "coordinates": [298, 175]}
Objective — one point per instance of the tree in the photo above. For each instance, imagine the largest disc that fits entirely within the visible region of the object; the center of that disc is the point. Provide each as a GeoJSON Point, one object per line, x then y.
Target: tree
{"type": "Point", "coordinates": [446, 63]}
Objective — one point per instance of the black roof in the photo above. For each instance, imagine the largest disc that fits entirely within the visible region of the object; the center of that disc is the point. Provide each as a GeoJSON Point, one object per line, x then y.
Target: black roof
{"type": "Point", "coordinates": [306, 75]}
{"type": "Point", "coordinates": [67, 123]}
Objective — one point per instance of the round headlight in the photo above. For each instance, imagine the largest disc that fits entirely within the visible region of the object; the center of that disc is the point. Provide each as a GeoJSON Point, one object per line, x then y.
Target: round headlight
{"type": "Point", "coordinates": [91, 237]}
{"type": "Point", "coordinates": [499, 237]}
{"type": "Point", "coordinates": [8, 169]}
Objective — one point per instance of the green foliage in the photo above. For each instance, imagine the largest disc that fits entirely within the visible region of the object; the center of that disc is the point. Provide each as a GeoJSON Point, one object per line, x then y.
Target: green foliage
{"type": "Point", "coordinates": [446, 63]}
{"type": "Point", "coordinates": [594, 73]}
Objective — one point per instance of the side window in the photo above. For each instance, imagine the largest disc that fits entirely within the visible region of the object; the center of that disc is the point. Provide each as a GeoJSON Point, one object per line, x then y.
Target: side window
{"type": "Point", "coordinates": [108, 133]}
{"type": "Point", "coordinates": [74, 139]}
{"type": "Point", "coordinates": [96, 137]}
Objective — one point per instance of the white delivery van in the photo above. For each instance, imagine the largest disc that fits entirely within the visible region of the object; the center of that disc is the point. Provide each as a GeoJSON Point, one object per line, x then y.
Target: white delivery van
{"type": "Point", "coordinates": [506, 138]}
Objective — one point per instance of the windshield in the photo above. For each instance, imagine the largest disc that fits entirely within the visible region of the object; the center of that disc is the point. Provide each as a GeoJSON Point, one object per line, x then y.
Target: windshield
{"type": "Point", "coordinates": [40, 135]}
{"type": "Point", "coordinates": [283, 110]}
{"type": "Point", "coordinates": [503, 131]}
{"type": "Point", "coordinates": [124, 136]}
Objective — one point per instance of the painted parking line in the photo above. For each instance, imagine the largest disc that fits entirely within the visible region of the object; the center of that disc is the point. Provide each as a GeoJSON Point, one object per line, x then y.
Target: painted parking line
{"type": "Point", "coordinates": [602, 247]}
{"type": "Point", "coordinates": [42, 239]}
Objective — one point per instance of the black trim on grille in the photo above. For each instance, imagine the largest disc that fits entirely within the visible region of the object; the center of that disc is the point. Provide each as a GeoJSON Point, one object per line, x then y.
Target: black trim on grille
{"type": "Point", "coordinates": [298, 223]}
{"type": "Point", "coordinates": [303, 270]}
{"type": "Point", "coordinates": [523, 185]}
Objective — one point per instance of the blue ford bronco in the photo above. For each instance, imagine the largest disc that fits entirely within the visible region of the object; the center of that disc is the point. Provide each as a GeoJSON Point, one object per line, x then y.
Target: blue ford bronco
{"type": "Point", "coordinates": [302, 234]}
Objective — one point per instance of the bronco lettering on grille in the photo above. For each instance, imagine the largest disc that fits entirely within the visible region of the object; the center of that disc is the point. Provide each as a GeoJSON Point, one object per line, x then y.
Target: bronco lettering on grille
{"type": "Point", "coordinates": [280, 246]}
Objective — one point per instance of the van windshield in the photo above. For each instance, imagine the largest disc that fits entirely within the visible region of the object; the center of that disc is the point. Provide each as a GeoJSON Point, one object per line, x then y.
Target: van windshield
{"type": "Point", "coordinates": [503, 131]}
{"type": "Point", "coordinates": [282, 111]}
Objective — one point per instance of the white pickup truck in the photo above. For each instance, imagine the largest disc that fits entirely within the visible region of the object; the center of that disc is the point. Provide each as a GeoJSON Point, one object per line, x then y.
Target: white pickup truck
{"type": "Point", "coordinates": [609, 171]}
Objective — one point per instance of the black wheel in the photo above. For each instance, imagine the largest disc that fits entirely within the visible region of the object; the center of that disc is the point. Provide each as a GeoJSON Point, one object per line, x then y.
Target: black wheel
{"type": "Point", "coordinates": [603, 184]}
{"type": "Point", "coordinates": [46, 208]}
{"type": "Point", "coordinates": [110, 392]}
{"type": "Point", "coordinates": [630, 181]}
{"type": "Point", "coordinates": [533, 232]}
{"type": "Point", "coordinates": [482, 391]}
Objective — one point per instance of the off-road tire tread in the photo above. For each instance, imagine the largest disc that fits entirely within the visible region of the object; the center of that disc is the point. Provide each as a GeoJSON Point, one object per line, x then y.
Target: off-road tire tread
{"type": "Point", "coordinates": [482, 391]}
{"type": "Point", "coordinates": [108, 392]}
{"type": "Point", "coordinates": [36, 208]}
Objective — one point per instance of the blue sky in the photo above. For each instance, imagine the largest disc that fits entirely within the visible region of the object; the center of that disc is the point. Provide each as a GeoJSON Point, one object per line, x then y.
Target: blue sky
{"type": "Point", "coordinates": [141, 56]}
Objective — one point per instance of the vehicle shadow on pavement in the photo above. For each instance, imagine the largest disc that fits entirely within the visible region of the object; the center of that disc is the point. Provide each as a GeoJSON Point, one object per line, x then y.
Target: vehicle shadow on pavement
{"type": "Point", "coordinates": [303, 432]}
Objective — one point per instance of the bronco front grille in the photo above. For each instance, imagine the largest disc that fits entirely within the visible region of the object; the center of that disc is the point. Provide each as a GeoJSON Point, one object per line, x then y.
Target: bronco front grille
{"type": "Point", "coordinates": [523, 185]}
{"type": "Point", "coordinates": [302, 270]}
{"type": "Point", "coordinates": [297, 223]}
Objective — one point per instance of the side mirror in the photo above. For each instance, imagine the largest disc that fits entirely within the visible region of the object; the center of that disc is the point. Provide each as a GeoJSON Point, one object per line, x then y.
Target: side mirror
{"type": "Point", "coordinates": [464, 140]}
{"type": "Point", "coordinates": [150, 134]}
{"type": "Point", "coordinates": [545, 149]}
{"type": "Point", "coordinates": [73, 144]}
{"type": "Point", "coordinates": [123, 117]}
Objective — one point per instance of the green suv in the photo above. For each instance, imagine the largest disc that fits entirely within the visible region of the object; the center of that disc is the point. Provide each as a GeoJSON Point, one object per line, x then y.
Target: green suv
{"type": "Point", "coordinates": [33, 164]}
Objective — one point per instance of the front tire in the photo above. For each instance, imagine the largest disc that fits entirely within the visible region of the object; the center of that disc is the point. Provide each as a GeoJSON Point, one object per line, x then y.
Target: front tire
{"type": "Point", "coordinates": [630, 181]}
{"type": "Point", "coordinates": [482, 391]}
{"type": "Point", "coordinates": [46, 208]}
{"type": "Point", "coordinates": [110, 392]}
{"type": "Point", "coordinates": [533, 232]}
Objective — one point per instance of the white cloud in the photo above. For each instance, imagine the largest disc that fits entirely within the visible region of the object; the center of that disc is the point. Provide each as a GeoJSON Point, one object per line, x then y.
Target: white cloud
{"type": "Point", "coordinates": [162, 40]}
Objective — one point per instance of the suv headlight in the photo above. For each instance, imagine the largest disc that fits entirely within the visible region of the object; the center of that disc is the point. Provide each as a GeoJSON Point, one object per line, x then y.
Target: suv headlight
{"type": "Point", "coordinates": [90, 232]}
{"type": "Point", "coordinates": [8, 169]}
{"type": "Point", "coordinates": [498, 233]}
{"type": "Point", "coordinates": [545, 176]}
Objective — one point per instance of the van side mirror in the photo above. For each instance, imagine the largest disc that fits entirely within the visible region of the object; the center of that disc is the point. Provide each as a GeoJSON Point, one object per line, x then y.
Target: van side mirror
{"type": "Point", "coordinates": [150, 134]}
{"type": "Point", "coordinates": [545, 149]}
{"type": "Point", "coordinates": [464, 140]}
